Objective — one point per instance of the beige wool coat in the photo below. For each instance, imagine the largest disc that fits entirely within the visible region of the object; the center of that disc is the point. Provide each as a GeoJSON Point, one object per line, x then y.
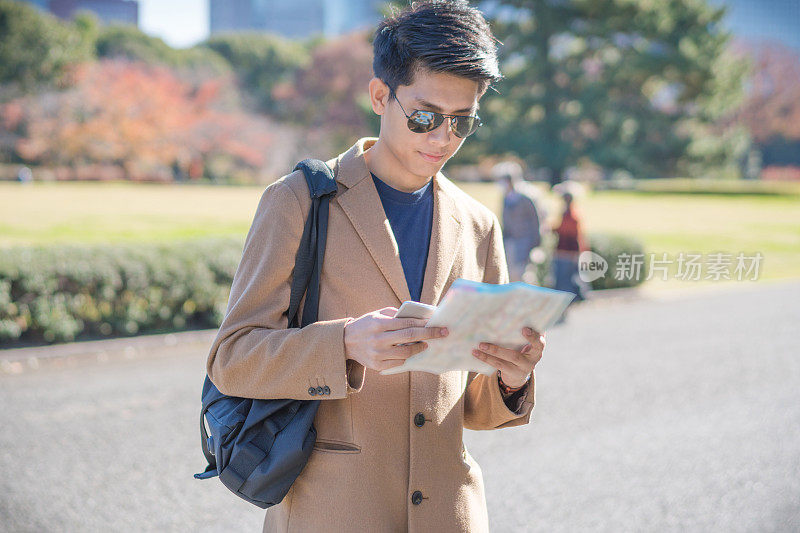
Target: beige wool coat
{"type": "Point", "coordinates": [389, 454]}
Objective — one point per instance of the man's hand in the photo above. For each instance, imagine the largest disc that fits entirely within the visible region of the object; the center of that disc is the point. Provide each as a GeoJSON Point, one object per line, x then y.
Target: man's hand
{"type": "Point", "coordinates": [514, 365]}
{"type": "Point", "coordinates": [373, 339]}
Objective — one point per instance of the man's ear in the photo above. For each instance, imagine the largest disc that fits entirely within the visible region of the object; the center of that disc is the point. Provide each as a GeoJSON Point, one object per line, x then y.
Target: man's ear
{"type": "Point", "coordinates": [378, 95]}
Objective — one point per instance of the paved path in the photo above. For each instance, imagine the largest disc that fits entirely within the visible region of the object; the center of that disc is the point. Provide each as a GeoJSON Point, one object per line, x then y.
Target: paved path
{"type": "Point", "coordinates": [665, 414]}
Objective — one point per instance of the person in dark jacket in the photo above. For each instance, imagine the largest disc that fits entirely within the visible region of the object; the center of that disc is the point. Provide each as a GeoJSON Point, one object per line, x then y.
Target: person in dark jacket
{"type": "Point", "coordinates": [522, 221]}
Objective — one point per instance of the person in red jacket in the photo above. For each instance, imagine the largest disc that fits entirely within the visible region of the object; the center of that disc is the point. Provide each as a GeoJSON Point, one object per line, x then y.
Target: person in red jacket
{"type": "Point", "coordinates": [571, 242]}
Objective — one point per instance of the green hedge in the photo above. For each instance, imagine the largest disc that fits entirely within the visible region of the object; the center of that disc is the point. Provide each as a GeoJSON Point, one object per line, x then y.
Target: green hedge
{"type": "Point", "coordinates": [702, 186]}
{"type": "Point", "coordinates": [609, 247]}
{"type": "Point", "coordinates": [62, 293]}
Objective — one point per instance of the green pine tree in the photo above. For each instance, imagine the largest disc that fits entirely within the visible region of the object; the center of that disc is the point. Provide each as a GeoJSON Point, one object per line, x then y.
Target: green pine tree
{"type": "Point", "coordinates": [633, 85]}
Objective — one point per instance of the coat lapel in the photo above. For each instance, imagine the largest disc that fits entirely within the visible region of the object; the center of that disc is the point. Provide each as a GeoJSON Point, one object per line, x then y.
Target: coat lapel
{"type": "Point", "coordinates": [445, 241]}
{"type": "Point", "coordinates": [362, 205]}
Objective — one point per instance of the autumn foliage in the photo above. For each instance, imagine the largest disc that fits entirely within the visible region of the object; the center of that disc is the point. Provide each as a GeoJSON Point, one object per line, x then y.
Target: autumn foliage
{"type": "Point", "coordinates": [332, 89]}
{"type": "Point", "coordinates": [138, 117]}
{"type": "Point", "coordinates": [773, 104]}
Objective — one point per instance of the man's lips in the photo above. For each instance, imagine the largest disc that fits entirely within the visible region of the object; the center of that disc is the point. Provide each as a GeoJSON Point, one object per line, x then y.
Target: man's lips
{"type": "Point", "coordinates": [433, 158]}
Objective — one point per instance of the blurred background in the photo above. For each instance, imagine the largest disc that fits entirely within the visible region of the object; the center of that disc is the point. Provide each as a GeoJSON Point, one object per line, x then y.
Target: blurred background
{"type": "Point", "coordinates": [136, 138]}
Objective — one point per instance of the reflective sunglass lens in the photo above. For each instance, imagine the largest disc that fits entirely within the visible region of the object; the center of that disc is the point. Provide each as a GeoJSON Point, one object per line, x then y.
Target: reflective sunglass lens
{"type": "Point", "coordinates": [424, 118]}
{"type": "Point", "coordinates": [465, 126]}
{"type": "Point", "coordinates": [424, 121]}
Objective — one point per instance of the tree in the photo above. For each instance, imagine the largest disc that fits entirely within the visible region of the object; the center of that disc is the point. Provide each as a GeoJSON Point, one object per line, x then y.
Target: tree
{"type": "Point", "coordinates": [772, 108]}
{"type": "Point", "coordinates": [625, 84]}
{"type": "Point", "coordinates": [330, 95]}
{"type": "Point", "coordinates": [261, 62]}
{"type": "Point", "coordinates": [139, 117]}
{"type": "Point", "coordinates": [36, 49]}
{"type": "Point", "coordinates": [129, 42]}
{"type": "Point", "coordinates": [771, 112]}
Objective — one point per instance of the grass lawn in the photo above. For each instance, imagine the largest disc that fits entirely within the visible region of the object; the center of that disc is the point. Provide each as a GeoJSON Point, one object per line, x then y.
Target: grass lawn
{"type": "Point", "coordinates": [692, 223]}
{"type": "Point", "coordinates": [45, 213]}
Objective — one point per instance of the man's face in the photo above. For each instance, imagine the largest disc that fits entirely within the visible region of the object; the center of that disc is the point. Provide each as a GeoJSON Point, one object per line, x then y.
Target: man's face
{"type": "Point", "coordinates": [424, 154]}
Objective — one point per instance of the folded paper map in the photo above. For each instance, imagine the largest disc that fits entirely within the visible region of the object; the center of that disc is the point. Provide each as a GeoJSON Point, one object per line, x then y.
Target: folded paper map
{"type": "Point", "coordinates": [475, 312]}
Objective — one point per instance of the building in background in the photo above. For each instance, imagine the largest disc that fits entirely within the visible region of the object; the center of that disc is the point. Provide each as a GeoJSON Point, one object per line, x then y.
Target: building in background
{"type": "Point", "coordinates": [108, 11]}
{"type": "Point", "coordinates": [295, 18]}
{"type": "Point", "coordinates": [41, 4]}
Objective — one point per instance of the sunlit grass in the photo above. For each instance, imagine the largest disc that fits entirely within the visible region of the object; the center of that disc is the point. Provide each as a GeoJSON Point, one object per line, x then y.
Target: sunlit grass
{"type": "Point", "coordinates": [703, 223]}
{"type": "Point", "coordinates": [45, 213]}
{"type": "Point", "coordinates": [42, 213]}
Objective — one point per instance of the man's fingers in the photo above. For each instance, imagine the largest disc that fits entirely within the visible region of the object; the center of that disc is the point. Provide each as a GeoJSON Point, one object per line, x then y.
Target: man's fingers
{"type": "Point", "coordinates": [388, 311]}
{"type": "Point", "coordinates": [399, 354]}
{"type": "Point", "coordinates": [389, 363]}
{"type": "Point", "coordinates": [404, 323]}
{"type": "Point", "coordinates": [499, 352]}
{"type": "Point", "coordinates": [414, 334]}
{"type": "Point", "coordinates": [500, 364]}
{"type": "Point", "coordinates": [408, 351]}
{"type": "Point", "coordinates": [533, 336]}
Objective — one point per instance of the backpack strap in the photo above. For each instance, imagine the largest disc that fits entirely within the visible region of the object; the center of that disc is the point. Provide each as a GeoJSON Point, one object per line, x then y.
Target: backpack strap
{"type": "Point", "coordinates": [311, 252]}
{"type": "Point", "coordinates": [308, 265]}
{"type": "Point", "coordinates": [205, 440]}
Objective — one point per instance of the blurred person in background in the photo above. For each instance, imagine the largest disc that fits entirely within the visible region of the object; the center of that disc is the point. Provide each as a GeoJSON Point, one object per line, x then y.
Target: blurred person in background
{"type": "Point", "coordinates": [571, 242]}
{"type": "Point", "coordinates": [523, 218]}
{"type": "Point", "coordinates": [25, 175]}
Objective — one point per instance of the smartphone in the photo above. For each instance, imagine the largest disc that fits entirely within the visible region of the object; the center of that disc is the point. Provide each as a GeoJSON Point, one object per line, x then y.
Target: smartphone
{"type": "Point", "coordinates": [411, 309]}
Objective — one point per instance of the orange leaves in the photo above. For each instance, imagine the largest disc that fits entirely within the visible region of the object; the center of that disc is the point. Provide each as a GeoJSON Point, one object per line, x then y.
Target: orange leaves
{"type": "Point", "coordinates": [773, 105]}
{"type": "Point", "coordinates": [326, 92]}
{"type": "Point", "coordinates": [134, 115]}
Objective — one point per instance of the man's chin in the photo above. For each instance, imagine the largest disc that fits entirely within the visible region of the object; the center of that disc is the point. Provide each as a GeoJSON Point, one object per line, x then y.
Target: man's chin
{"type": "Point", "coordinates": [424, 167]}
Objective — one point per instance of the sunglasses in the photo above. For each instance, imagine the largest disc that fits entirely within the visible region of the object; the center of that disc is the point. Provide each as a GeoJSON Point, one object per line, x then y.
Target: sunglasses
{"type": "Point", "coordinates": [424, 121]}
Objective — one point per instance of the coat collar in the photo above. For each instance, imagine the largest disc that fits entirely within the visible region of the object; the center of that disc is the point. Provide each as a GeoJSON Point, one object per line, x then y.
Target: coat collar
{"type": "Point", "coordinates": [362, 205]}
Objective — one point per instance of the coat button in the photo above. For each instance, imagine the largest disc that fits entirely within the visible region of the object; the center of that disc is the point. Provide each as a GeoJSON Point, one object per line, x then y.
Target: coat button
{"type": "Point", "coordinates": [326, 389]}
{"type": "Point", "coordinates": [312, 391]}
{"type": "Point", "coordinates": [419, 420]}
{"type": "Point", "coordinates": [320, 390]}
{"type": "Point", "coordinates": [416, 498]}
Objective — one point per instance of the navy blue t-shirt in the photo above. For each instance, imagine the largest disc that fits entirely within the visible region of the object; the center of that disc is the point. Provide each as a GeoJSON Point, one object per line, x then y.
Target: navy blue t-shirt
{"type": "Point", "coordinates": [410, 215]}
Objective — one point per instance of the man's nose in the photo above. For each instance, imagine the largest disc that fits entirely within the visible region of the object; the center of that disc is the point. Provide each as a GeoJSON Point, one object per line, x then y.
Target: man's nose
{"type": "Point", "coordinates": [441, 135]}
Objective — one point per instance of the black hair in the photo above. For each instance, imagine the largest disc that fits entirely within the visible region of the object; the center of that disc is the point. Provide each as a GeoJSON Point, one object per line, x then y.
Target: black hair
{"type": "Point", "coordinates": [447, 36]}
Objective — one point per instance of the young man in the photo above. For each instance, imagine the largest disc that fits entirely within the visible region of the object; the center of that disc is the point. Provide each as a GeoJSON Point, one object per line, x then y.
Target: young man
{"type": "Point", "coordinates": [389, 454]}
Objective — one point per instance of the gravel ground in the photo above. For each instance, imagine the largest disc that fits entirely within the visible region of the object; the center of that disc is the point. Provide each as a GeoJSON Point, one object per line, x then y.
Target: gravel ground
{"type": "Point", "coordinates": [675, 413]}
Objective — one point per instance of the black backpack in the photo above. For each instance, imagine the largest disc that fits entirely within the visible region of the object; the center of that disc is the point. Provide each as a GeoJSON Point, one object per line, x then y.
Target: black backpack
{"type": "Point", "coordinates": [259, 447]}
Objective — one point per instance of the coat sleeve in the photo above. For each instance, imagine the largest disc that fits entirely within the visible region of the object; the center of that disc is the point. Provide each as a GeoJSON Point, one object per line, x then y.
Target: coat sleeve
{"type": "Point", "coordinates": [254, 355]}
{"type": "Point", "coordinates": [484, 407]}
